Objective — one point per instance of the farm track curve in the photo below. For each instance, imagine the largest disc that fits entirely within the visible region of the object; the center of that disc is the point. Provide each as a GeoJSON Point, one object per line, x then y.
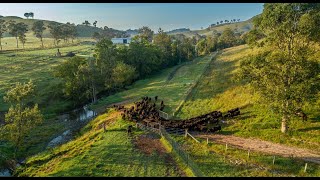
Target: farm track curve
{"type": "Point", "coordinates": [264, 147]}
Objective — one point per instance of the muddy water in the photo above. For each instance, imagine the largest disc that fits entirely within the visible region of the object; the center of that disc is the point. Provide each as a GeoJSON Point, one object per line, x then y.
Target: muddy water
{"type": "Point", "coordinates": [78, 118]}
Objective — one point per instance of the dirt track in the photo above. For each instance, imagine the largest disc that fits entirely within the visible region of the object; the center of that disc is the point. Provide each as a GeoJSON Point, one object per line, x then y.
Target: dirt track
{"type": "Point", "coordinates": [264, 146]}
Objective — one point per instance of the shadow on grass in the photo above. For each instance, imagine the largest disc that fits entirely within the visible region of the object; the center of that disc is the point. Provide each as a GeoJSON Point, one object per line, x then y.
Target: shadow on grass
{"type": "Point", "coordinates": [228, 132]}
{"type": "Point", "coordinates": [310, 129]}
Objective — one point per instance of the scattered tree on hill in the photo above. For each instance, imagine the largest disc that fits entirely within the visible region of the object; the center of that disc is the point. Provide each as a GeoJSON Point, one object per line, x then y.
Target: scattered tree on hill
{"type": "Point", "coordinates": [31, 14]}
{"type": "Point", "coordinates": [55, 32]}
{"type": "Point", "coordinates": [38, 28]}
{"type": "Point", "coordinates": [86, 23]}
{"type": "Point", "coordinates": [13, 31]}
{"type": "Point", "coordinates": [95, 23]}
{"type": "Point", "coordinates": [22, 30]}
{"type": "Point", "coordinates": [285, 74]}
{"type": "Point", "coordinates": [3, 29]}
{"type": "Point", "coordinates": [18, 30]}
{"type": "Point", "coordinates": [20, 118]}
{"type": "Point", "coordinates": [27, 15]}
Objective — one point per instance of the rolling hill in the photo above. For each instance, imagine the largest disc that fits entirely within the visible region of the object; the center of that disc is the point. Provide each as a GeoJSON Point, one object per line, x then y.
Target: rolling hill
{"type": "Point", "coordinates": [238, 27]}
{"type": "Point", "coordinates": [87, 31]}
{"type": "Point", "coordinates": [83, 31]}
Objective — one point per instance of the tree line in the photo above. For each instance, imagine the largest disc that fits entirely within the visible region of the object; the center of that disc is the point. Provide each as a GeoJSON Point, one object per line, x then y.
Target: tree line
{"type": "Point", "coordinates": [225, 21]}
{"type": "Point", "coordinates": [113, 67]}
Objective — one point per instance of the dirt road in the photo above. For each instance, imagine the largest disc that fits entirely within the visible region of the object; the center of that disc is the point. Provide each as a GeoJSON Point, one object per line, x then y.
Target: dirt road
{"type": "Point", "coordinates": [264, 146]}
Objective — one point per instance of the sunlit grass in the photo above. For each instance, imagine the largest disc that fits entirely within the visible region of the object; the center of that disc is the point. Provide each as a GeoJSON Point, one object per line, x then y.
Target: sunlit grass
{"type": "Point", "coordinates": [98, 153]}
{"type": "Point", "coordinates": [219, 91]}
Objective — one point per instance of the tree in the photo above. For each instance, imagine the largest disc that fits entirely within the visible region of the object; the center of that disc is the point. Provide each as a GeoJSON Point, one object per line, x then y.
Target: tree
{"type": "Point", "coordinates": [95, 23]}
{"type": "Point", "coordinates": [3, 29]}
{"type": "Point", "coordinates": [86, 23]}
{"type": "Point", "coordinates": [22, 39]}
{"type": "Point", "coordinates": [20, 119]}
{"type": "Point", "coordinates": [22, 30]}
{"type": "Point", "coordinates": [146, 33]}
{"type": "Point", "coordinates": [221, 22]}
{"type": "Point", "coordinates": [27, 15]}
{"type": "Point", "coordinates": [18, 30]}
{"type": "Point", "coordinates": [31, 14]}
{"type": "Point", "coordinates": [55, 31]}
{"type": "Point", "coordinates": [287, 76]}
{"type": "Point", "coordinates": [123, 74]}
{"type": "Point", "coordinates": [227, 38]}
{"type": "Point", "coordinates": [13, 31]}
{"type": "Point", "coordinates": [38, 28]}
{"type": "Point", "coordinates": [96, 36]}
{"type": "Point", "coordinates": [164, 41]}
{"type": "Point", "coordinates": [71, 72]}
{"type": "Point", "coordinates": [252, 37]}
{"type": "Point", "coordinates": [217, 23]}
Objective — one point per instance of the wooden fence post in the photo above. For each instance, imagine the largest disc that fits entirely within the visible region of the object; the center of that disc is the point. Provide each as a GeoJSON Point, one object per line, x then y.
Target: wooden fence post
{"type": "Point", "coordinates": [186, 133]}
{"type": "Point", "coordinates": [207, 140]}
{"type": "Point", "coordinates": [226, 146]}
{"type": "Point", "coordinates": [305, 167]}
{"type": "Point", "coordinates": [274, 159]}
{"type": "Point", "coordinates": [249, 154]}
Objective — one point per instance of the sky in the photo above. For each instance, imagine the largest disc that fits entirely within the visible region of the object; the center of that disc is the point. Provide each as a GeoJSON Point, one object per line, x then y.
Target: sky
{"type": "Point", "coordinates": [125, 16]}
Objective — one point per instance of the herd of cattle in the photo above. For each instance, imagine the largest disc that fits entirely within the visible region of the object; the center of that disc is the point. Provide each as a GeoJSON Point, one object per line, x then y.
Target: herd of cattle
{"type": "Point", "coordinates": [146, 112]}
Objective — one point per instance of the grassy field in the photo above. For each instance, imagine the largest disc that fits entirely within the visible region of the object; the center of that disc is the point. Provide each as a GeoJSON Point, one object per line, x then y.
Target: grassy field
{"type": "Point", "coordinates": [214, 161]}
{"type": "Point", "coordinates": [98, 153]}
{"type": "Point", "coordinates": [218, 91]}
{"type": "Point", "coordinates": [10, 44]}
{"type": "Point", "coordinates": [172, 91]}
{"type": "Point", "coordinates": [37, 65]}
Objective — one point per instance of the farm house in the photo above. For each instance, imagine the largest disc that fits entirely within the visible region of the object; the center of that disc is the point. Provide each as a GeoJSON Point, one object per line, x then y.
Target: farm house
{"type": "Point", "coordinates": [121, 40]}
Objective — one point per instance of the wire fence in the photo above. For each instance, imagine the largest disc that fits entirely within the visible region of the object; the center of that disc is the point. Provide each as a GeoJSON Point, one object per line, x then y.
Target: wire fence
{"type": "Point", "coordinates": [185, 157]}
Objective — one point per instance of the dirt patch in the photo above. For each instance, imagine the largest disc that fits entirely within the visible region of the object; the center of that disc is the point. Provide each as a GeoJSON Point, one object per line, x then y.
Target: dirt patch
{"type": "Point", "coordinates": [264, 146]}
{"type": "Point", "coordinates": [149, 143]}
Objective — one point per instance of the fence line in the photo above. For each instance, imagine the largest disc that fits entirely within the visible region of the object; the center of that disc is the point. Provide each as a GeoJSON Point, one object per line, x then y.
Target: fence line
{"type": "Point", "coordinates": [182, 154]}
{"type": "Point", "coordinates": [175, 146]}
{"type": "Point", "coordinates": [194, 84]}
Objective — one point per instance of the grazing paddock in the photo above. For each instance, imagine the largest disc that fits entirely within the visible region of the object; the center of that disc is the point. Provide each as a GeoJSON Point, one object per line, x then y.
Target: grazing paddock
{"type": "Point", "coordinates": [171, 92]}
{"type": "Point", "coordinates": [218, 91]}
{"type": "Point", "coordinates": [37, 65]}
{"type": "Point", "coordinates": [98, 153]}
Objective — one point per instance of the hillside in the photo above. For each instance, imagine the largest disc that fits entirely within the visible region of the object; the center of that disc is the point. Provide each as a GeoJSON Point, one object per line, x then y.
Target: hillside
{"type": "Point", "coordinates": [94, 153]}
{"type": "Point", "coordinates": [83, 31]}
{"type": "Point", "coordinates": [239, 27]}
